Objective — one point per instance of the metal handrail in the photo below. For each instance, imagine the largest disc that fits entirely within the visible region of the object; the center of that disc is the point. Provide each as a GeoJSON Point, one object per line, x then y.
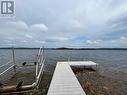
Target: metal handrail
{"type": "Point", "coordinates": [39, 72]}
{"type": "Point", "coordinates": [14, 65]}
{"type": "Point", "coordinates": [40, 62]}
{"type": "Point", "coordinates": [5, 64]}
{"type": "Point", "coordinates": [7, 70]}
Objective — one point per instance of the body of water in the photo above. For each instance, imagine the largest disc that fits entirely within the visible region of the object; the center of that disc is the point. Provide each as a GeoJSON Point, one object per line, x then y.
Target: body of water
{"type": "Point", "coordinates": [112, 63]}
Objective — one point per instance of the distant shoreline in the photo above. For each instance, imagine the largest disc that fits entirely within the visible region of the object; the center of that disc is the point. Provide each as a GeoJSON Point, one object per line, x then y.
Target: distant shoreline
{"type": "Point", "coordinates": [68, 48]}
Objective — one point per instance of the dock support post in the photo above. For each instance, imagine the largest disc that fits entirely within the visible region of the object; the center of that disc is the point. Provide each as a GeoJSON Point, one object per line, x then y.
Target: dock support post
{"type": "Point", "coordinates": [13, 58]}
{"type": "Point", "coordinates": [69, 58]}
{"type": "Point", "coordinates": [43, 54]}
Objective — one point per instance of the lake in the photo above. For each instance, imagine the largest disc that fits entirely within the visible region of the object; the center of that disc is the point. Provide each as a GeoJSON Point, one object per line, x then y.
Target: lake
{"type": "Point", "coordinates": [112, 63]}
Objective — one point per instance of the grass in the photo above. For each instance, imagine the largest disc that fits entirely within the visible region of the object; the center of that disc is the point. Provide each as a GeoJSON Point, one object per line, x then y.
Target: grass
{"type": "Point", "coordinates": [95, 84]}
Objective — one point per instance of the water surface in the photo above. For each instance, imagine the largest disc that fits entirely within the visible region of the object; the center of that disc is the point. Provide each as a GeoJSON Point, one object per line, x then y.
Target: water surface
{"type": "Point", "coordinates": [111, 62]}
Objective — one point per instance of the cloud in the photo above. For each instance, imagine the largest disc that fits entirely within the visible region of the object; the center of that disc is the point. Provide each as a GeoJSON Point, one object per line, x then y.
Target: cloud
{"type": "Point", "coordinates": [57, 39]}
{"type": "Point", "coordinates": [93, 42]}
{"type": "Point", "coordinates": [73, 23]}
{"type": "Point", "coordinates": [19, 25]}
{"type": "Point", "coordinates": [24, 41]}
{"type": "Point", "coordinates": [40, 42]}
{"type": "Point", "coordinates": [28, 36]}
{"type": "Point", "coordinates": [118, 43]}
{"type": "Point", "coordinates": [18, 32]}
{"type": "Point", "coordinates": [39, 27]}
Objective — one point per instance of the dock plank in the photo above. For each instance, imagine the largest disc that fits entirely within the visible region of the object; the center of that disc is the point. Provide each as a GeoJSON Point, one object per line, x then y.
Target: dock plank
{"type": "Point", "coordinates": [64, 81]}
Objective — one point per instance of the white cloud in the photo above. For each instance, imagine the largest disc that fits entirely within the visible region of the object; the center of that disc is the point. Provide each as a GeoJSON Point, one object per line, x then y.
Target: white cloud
{"type": "Point", "coordinates": [40, 42]}
{"type": "Point", "coordinates": [24, 41]}
{"type": "Point", "coordinates": [17, 32]}
{"type": "Point", "coordinates": [28, 36]}
{"type": "Point", "coordinates": [7, 41]}
{"type": "Point", "coordinates": [39, 27]}
{"type": "Point", "coordinates": [20, 25]}
{"type": "Point", "coordinates": [70, 23]}
{"type": "Point", "coordinates": [93, 42]}
{"type": "Point", "coordinates": [123, 38]}
{"type": "Point", "coordinates": [59, 39]}
{"type": "Point", "coordinates": [120, 41]}
{"type": "Point", "coordinates": [115, 43]}
{"type": "Point", "coordinates": [75, 24]}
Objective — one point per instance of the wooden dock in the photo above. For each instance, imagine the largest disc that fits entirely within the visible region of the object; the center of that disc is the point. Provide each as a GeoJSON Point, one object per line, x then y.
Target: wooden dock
{"type": "Point", "coordinates": [81, 63]}
{"type": "Point", "coordinates": [64, 81]}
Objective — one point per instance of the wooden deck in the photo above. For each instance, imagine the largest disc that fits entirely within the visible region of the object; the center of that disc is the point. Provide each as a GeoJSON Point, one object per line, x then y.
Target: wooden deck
{"type": "Point", "coordinates": [81, 63]}
{"type": "Point", "coordinates": [64, 81]}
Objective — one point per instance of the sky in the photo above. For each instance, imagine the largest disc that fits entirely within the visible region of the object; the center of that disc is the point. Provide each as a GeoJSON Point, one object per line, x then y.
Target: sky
{"type": "Point", "coordinates": [66, 23]}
